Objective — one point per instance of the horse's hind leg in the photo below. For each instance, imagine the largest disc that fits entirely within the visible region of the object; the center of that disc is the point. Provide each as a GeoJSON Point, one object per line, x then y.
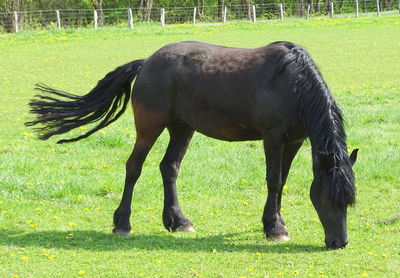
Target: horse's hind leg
{"type": "Point", "coordinates": [173, 218]}
{"type": "Point", "coordinates": [149, 126]}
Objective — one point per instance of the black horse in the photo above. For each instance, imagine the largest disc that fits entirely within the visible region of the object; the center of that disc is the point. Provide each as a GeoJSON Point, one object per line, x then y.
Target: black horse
{"type": "Point", "coordinates": [273, 93]}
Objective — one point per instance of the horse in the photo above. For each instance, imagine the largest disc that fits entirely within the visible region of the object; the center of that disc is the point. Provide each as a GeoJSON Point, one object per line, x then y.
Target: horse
{"type": "Point", "coordinates": [274, 93]}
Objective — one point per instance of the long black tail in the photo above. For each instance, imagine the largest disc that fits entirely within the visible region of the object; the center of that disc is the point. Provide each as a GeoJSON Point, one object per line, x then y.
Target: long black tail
{"type": "Point", "coordinates": [58, 116]}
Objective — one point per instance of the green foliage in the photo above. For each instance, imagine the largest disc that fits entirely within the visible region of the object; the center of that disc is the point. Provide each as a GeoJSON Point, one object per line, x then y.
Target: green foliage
{"type": "Point", "coordinates": [56, 201]}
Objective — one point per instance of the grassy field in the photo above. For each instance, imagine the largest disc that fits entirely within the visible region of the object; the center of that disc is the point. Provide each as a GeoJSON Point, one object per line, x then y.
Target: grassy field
{"type": "Point", "coordinates": [57, 201]}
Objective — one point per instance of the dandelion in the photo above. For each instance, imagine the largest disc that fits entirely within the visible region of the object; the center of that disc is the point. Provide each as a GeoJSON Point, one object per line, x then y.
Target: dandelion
{"type": "Point", "coordinates": [371, 253]}
{"type": "Point", "coordinates": [141, 274]}
{"type": "Point", "coordinates": [40, 182]}
{"type": "Point", "coordinates": [202, 217]}
{"type": "Point", "coordinates": [5, 211]}
{"type": "Point", "coordinates": [29, 184]}
{"type": "Point", "coordinates": [287, 248]}
{"type": "Point", "coordinates": [38, 209]}
{"type": "Point", "coordinates": [24, 258]}
{"type": "Point", "coordinates": [250, 270]}
{"type": "Point", "coordinates": [132, 136]}
{"type": "Point", "coordinates": [315, 219]}
{"type": "Point", "coordinates": [13, 255]}
{"type": "Point", "coordinates": [310, 266]}
{"type": "Point", "coordinates": [55, 217]}
{"type": "Point", "coordinates": [69, 236]}
{"type": "Point", "coordinates": [153, 217]}
{"type": "Point", "coordinates": [158, 261]}
{"type": "Point", "coordinates": [280, 273]}
{"type": "Point", "coordinates": [364, 275]}
{"type": "Point", "coordinates": [149, 208]}
{"type": "Point", "coordinates": [296, 272]}
{"type": "Point", "coordinates": [72, 224]}
{"type": "Point", "coordinates": [82, 128]}
{"type": "Point", "coordinates": [245, 203]}
{"type": "Point", "coordinates": [258, 254]}
{"type": "Point", "coordinates": [85, 209]}
{"type": "Point", "coordinates": [81, 272]}
{"type": "Point", "coordinates": [244, 181]}
{"type": "Point", "coordinates": [385, 255]}
{"type": "Point", "coordinates": [33, 225]}
{"type": "Point", "coordinates": [79, 197]}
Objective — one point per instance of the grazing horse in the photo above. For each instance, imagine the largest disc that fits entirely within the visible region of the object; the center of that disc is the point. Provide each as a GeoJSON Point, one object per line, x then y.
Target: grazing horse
{"type": "Point", "coordinates": [273, 93]}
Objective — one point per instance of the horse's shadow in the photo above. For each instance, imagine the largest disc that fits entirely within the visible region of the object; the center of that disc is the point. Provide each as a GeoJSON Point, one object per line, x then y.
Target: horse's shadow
{"type": "Point", "coordinates": [100, 241]}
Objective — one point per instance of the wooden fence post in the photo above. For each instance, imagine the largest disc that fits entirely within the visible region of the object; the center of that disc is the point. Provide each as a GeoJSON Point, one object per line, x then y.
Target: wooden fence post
{"type": "Point", "coordinates": [308, 11]}
{"type": "Point", "coordinates": [281, 11]}
{"type": "Point", "coordinates": [254, 13]}
{"type": "Point", "coordinates": [16, 27]}
{"type": "Point", "coordinates": [162, 18]}
{"type": "Point", "coordinates": [378, 9]}
{"type": "Point", "coordinates": [130, 19]}
{"type": "Point", "coordinates": [357, 10]}
{"type": "Point", "coordinates": [95, 18]}
{"type": "Point", "coordinates": [331, 10]}
{"type": "Point", "coordinates": [58, 20]}
{"type": "Point", "coordinates": [194, 15]}
{"type": "Point", "coordinates": [224, 15]}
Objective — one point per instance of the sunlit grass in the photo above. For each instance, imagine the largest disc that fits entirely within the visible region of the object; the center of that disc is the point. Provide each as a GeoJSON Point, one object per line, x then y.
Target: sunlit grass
{"type": "Point", "coordinates": [56, 201]}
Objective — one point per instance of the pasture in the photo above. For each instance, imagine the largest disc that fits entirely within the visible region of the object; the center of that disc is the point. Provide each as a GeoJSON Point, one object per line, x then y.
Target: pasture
{"type": "Point", "coordinates": [57, 201]}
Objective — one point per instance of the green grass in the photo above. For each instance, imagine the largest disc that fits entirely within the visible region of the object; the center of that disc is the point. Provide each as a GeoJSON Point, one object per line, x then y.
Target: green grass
{"type": "Point", "coordinates": [57, 200]}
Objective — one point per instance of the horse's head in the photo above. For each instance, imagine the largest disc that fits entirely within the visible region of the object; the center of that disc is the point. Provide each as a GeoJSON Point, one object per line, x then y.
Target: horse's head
{"type": "Point", "coordinates": [332, 190]}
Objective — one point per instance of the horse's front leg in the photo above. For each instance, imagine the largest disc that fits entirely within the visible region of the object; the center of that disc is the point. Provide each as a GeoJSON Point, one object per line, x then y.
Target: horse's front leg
{"type": "Point", "coordinates": [289, 152]}
{"type": "Point", "coordinates": [274, 227]}
{"type": "Point", "coordinates": [173, 218]}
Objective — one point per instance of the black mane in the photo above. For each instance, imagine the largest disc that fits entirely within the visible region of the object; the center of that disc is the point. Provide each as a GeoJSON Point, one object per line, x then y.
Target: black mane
{"type": "Point", "coordinates": [323, 121]}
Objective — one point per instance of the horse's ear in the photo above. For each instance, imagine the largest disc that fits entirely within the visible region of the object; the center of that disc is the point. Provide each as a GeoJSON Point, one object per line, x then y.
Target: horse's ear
{"type": "Point", "coordinates": [327, 160]}
{"type": "Point", "coordinates": [353, 156]}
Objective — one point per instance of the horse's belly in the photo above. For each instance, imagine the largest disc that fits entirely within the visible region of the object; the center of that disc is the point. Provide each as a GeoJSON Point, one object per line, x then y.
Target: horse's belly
{"type": "Point", "coordinates": [230, 133]}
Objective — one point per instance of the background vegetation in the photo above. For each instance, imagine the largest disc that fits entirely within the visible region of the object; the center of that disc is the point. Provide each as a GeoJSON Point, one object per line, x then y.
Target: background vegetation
{"type": "Point", "coordinates": [57, 201]}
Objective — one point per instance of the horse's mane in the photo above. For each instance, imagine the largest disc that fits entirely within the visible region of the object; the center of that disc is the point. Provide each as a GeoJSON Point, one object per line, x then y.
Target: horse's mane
{"type": "Point", "coordinates": [322, 118]}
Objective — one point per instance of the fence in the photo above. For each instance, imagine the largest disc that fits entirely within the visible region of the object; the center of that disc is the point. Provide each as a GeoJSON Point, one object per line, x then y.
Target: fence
{"type": "Point", "coordinates": [57, 19]}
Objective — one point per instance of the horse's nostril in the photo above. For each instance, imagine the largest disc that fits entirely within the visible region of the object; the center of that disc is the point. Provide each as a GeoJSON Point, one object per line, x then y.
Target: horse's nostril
{"type": "Point", "coordinates": [336, 244]}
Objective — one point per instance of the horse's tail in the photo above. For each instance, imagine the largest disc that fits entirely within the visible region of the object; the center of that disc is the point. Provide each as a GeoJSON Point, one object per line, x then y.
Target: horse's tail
{"type": "Point", "coordinates": [59, 112]}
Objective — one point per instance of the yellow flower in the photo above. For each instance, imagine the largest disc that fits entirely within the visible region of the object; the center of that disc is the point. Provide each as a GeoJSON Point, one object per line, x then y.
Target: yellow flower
{"type": "Point", "coordinates": [385, 255]}
{"type": "Point", "coordinates": [296, 272]}
{"type": "Point", "coordinates": [82, 127]}
{"type": "Point", "coordinates": [38, 209]}
{"type": "Point", "coordinates": [258, 253]}
{"type": "Point", "coordinates": [40, 182]}
{"type": "Point", "coordinates": [29, 183]}
{"type": "Point", "coordinates": [55, 217]}
{"type": "Point", "coordinates": [79, 197]}
{"type": "Point", "coordinates": [81, 272]}
{"type": "Point", "coordinates": [310, 266]}
{"type": "Point", "coordinates": [141, 274]}
{"type": "Point", "coordinates": [250, 270]}
{"type": "Point", "coordinates": [244, 181]}
{"type": "Point", "coordinates": [364, 275]}
{"type": "Point", "coordinates": [85, 209]}
{"type": "Point", "coordinates": [371, 253]}
{"type": "Point", "coordinates": [153, 217]}
{"type": "Point", "coordinates": [246, 203]}
{"type": "Point", "coordinates": [280, 273]}
{"type": "Point", "coordinates": [72, 224]}
{"type": "Point", "coordinates": [24, 258]}
{"type": "Point", "coordinates": [158, 261]}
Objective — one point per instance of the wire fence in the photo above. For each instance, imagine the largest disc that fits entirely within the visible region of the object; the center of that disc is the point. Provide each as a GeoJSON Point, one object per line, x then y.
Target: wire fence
{"type": "Point", "coordinates": [131, 18]}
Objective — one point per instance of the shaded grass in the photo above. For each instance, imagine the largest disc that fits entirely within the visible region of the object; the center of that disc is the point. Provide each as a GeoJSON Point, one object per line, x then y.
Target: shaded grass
{"type": "Point", "coordinates": [50, 191]}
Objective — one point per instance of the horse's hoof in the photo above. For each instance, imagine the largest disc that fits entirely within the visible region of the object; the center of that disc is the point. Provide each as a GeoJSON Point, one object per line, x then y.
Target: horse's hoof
{"type": "Point", "coordinates": [279, 238]}
{"type": "Point", "coordinates": [120, 232]}
{"type": "Point", "coordinates": [188, 228]}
